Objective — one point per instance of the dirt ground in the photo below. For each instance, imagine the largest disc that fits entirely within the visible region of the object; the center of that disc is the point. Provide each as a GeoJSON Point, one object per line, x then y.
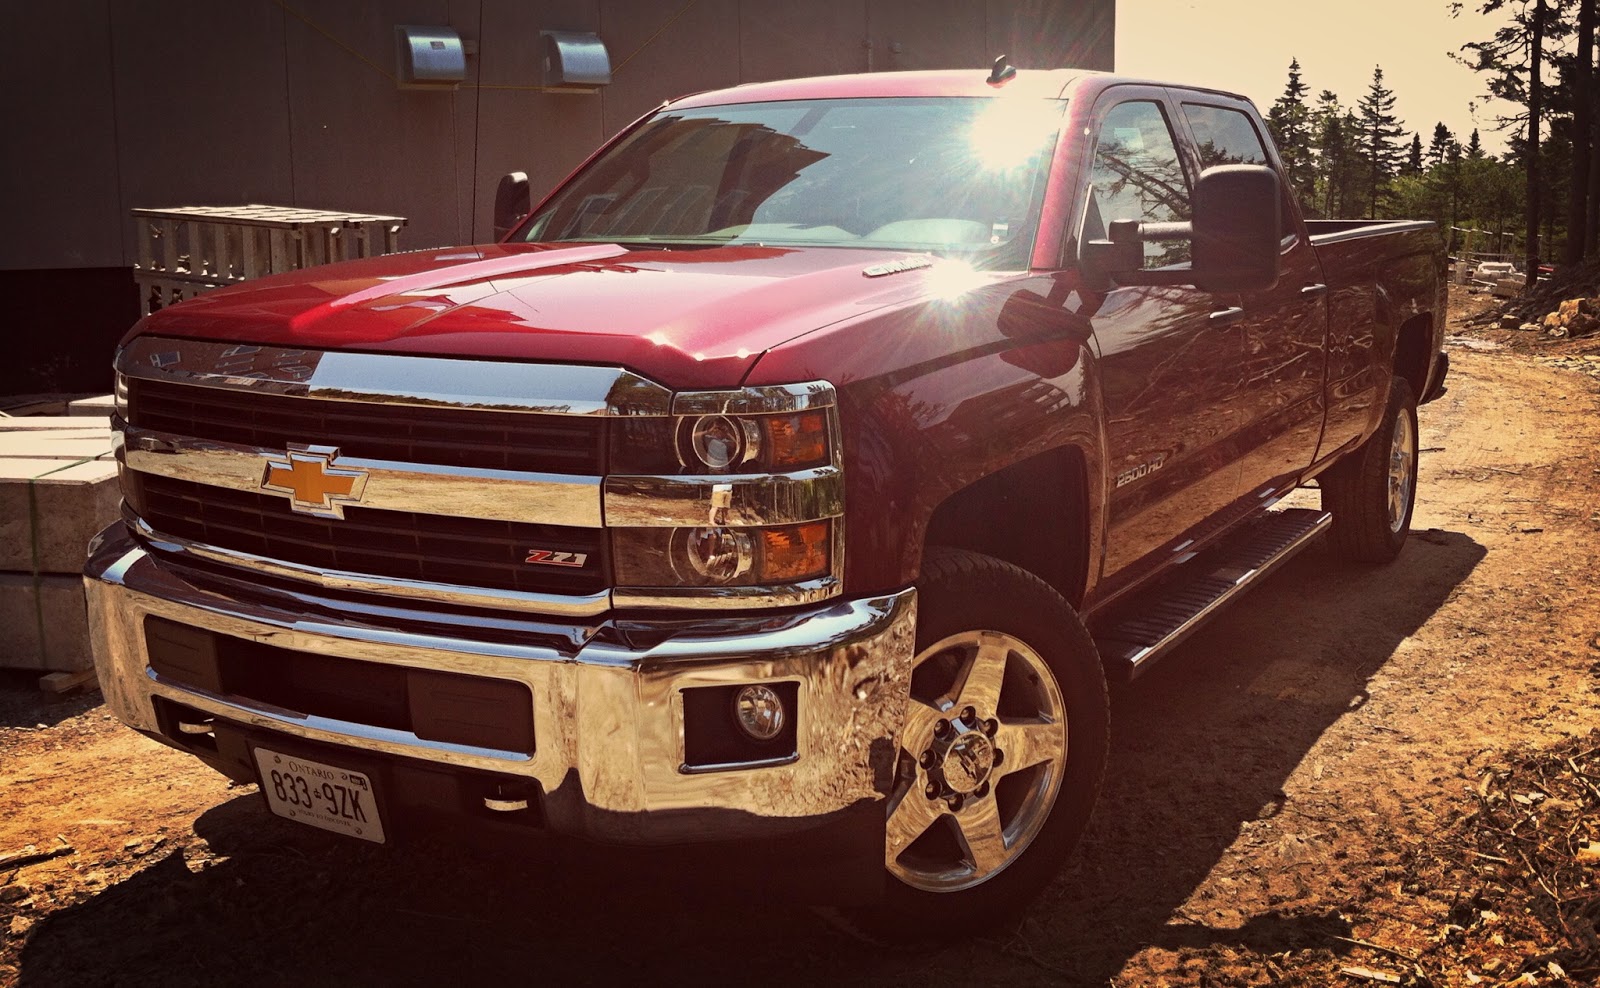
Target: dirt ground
{"type": "Point", "coordinates": [1291, 795]}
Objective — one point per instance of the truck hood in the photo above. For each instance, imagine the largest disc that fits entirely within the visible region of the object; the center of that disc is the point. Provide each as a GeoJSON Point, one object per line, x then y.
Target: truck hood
{"type": "Point", "coordinates": [687, 317]}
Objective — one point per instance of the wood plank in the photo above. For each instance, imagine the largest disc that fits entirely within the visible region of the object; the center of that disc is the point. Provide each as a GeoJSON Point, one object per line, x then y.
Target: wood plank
{"type": "Point", "coordinates": [66, 682]}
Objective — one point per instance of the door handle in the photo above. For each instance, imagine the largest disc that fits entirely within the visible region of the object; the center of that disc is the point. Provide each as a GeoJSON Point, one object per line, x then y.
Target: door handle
{"type": "Point", "coordinates": [1225, 317]}
{"type": "Point", "coordinates": [1312, 290]}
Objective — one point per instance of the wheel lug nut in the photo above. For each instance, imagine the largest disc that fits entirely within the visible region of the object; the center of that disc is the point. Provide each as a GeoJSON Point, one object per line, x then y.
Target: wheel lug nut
{"type": "Point", "coordinates": [969, 715]}
{"type": "Point", "coordinates": [941, 729]}
{"type": "Point", "coordinates": [990, 726]}
{"type": "Point", "coordinates": [955, 802]}
{"type": "Point", "coordinates": [983, 791]}
{"type": "Point", "coordinates": [928, 758]}
{"type": "Point", "coordinates": [999, 756]}
{"type": "Point", "coordinates": [932, 791]}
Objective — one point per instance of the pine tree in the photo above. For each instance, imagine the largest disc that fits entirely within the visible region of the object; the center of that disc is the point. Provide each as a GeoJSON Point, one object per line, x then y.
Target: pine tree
{"type": "Point", "coordinates": [1380, 131]}
{"type": "Point", "coordinates": [1414, 156]}
{"type": "Point", "coordinates": [1332, 147]}
{"type": "Point", "coordinates": [1474, 145]}
{"type": "Point", "coordinates": [1580, 233]}
{"type": "Point", "coordinates": [1439, 147]}
{"type": "Point", "coordinates": [1289, 120]}
{"type": "Point", "coordinates": [1514, 62]}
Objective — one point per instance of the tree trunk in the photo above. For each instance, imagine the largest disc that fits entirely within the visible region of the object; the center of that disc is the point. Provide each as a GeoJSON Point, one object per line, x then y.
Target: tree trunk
{"type": "Point", "coordinates": [1591, 225]}
{"type": "Point", "coordinates": [1535, 108]}
{"type": "Point", "coordinates": [1582, 129]}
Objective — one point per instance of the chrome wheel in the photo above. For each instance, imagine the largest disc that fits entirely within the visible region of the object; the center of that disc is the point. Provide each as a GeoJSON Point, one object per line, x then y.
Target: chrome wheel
{"type": "Point", "coordinates": [1402, 471]}
{"type": "Point", "coordinates": [983, 751]}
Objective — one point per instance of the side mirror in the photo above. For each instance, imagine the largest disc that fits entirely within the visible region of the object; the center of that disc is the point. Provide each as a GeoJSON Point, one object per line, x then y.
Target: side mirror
{"type": "Point", "coordinates": [1237, 229]}
{"type": "Point", "coordinates": [512, 201]}
{"type": "Point", "coordinates": [1234, 235]}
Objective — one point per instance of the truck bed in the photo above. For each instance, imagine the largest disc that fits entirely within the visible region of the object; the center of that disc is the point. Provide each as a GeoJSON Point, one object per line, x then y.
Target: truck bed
{"type": "Point", "coordinates": [1331, 231]}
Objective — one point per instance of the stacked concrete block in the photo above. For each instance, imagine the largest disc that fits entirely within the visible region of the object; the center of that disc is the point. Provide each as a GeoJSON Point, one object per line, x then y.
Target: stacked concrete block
{"type": "Point", "coordinates": [100, 406]}
{"type": "Point", "coordinates": [58, 487]}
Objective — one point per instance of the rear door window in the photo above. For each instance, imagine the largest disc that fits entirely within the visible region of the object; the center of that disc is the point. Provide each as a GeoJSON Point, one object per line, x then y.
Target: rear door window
{"type": "Point", "coordinates": [1228, 137]}
{"type": "Point", "coordinates": [1137, 175]}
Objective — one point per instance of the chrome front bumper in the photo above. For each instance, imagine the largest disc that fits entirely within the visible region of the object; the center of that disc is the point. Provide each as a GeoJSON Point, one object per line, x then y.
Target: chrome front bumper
{"type": "Point", "coordinates": [608, 716]}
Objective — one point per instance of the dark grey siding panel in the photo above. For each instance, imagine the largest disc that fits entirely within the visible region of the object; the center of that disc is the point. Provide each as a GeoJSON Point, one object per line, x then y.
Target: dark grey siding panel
{"type": "Point", "coordinates": [58, 162]}
{"type": "Point", "coordinates": [790, 40]}
{"type": "Point", "coordinates": [660, 50]}
{"type": "Point", "coordinates": [201, 105]}
{"type": "Point", "coordinates": [927, 34]}
{"type": "Point", "coordinates": [164, 103]}
{"type": "Point", "coordinates": [1047, 34]}
{"type": "Point", "coordinates": [361, 143]}
{"type": "Point", "coordinates": [520, 128]}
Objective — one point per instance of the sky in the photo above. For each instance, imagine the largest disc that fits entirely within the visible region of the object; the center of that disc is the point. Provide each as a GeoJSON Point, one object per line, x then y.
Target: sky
{"type": "Point", "coordinates": [1244, 46]}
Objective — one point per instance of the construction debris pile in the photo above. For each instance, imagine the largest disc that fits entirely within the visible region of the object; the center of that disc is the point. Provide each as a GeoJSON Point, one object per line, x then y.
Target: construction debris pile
{"type": "Point", "coordinates": [1574, 317]}
{"type": "Point", "coordinates": [1524, 868]}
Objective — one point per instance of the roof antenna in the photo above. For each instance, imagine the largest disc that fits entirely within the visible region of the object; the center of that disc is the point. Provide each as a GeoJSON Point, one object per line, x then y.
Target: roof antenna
{"type": "Point", "coordinates": [1002, 73]}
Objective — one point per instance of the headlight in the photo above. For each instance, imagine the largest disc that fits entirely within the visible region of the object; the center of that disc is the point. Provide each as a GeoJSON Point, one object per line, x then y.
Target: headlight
{"type": "Point", "coordinates": [717, 556]}
{"type": "Point", "coordinates": [735, 497]}
{"type": "Point", "coordinates": [724, 442]}
{"type": "Point", "coordinates": [717, 442]}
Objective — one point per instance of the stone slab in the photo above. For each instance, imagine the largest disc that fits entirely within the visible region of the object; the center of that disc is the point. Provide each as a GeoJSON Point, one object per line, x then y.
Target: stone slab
{"type": "Point", "coordinates": [50, 509]}
{"type": "Point", "coordinates": [44, 623]}
{"type": "Point", "coordinates": [43, 423]}
{"type": "Point", "coordinates": [101, 405]}
{"type": "Point", "coordinates": [27, 405]}
{"type": "Point", "coordinates": [56, 444]}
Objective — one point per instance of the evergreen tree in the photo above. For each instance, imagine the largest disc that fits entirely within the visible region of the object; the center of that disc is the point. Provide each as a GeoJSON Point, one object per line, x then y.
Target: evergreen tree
{"type": "Point", "coordinates": [1439, 147]}
{"type": "Point", "coordinates": [1332, 148]}
{"type": "Point", "coordinates": [1380, 132]}
{"type": "Point", "coordinates": [1514, 63]}
{"type": "Point", "coordinates": [1474, 145]}
{"type": "Point", "coordinates": [1289, 120]}
{"type": "Point", "coordinates": [1414, 156]}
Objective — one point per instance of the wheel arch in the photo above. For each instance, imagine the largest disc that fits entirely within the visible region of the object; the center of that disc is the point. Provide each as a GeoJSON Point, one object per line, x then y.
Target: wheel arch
{"type": "Point", "coordinates": [1033, 514]}
{"type": "Point", "coordinates": [1414, 352]}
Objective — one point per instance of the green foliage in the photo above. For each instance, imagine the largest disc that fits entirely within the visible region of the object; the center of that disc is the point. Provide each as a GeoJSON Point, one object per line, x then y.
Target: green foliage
{"type": "Point", "coordinates": [1476, 199]}
{"type": "Point", "coordinates": [1289, 120]}
{"type": "Point", "coordinates": [1380, 140]}
{"type": "Point", "coordinates": [1354, 161]}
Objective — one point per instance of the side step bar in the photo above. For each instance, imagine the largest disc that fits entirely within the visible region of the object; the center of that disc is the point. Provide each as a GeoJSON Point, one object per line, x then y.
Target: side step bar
{"type": "Point", "coordinates": [1144, 629]}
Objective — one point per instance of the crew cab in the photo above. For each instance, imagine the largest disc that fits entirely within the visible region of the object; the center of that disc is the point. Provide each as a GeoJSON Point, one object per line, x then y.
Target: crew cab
{"type": "Point", "coordinates": [794, 476]}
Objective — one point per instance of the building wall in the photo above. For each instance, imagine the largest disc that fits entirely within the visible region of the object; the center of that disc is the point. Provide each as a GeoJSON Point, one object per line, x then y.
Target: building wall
{"type": "Point", "coordinates": [114, 105]}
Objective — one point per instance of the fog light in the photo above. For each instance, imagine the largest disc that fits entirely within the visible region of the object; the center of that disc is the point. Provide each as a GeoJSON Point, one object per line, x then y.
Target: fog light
{"type": "Point", "coordinates": [759, 711]}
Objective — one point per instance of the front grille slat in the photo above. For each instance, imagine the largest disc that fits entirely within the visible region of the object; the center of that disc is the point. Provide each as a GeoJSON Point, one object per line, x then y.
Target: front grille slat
{"type": "Point", "coordinates": [459, 437]}
{"type": "Point", "coordinates": [393, 544]}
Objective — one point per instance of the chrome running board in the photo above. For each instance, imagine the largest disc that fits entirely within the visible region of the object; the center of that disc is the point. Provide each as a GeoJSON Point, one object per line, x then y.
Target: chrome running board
{"type": "Point", "coordinates": [1145, 628]}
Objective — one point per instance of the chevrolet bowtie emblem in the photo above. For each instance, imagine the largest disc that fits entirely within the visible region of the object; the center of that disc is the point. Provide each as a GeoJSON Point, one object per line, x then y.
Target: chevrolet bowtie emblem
{"type": "Point", "coordinates": [314, 485]}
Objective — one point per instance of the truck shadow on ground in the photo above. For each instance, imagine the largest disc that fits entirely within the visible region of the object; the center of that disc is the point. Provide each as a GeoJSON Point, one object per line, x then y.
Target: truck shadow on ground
{"type": "Point", "coordinates": [1201, 747]}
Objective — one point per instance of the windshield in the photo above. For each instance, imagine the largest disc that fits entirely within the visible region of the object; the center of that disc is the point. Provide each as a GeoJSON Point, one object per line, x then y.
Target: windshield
{"type": "Point", "coordinates": [953, 176]}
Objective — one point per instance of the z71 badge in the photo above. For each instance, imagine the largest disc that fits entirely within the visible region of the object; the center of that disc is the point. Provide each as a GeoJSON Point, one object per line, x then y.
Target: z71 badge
{"type": "Point", "coordinates": [1142, 470]}
{"type": "Point", "coordinates": [549, 557]}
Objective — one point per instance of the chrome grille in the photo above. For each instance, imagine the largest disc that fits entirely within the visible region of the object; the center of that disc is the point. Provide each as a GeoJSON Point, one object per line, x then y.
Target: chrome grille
{"type": "Point", "coordinates": [393, 544]}
{"type": "Point", "coordinates": [453, 437]}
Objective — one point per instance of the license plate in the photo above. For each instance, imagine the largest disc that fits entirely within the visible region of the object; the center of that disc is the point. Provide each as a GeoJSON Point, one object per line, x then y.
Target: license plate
{"type": "Point", "coordinates": [321, 795]}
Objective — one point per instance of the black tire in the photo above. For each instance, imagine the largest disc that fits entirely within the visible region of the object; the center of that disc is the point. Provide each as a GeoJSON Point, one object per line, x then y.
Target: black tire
{"type": "Point", "coordinates": [960, 593]}
{"type": "Point", "coordinates": [1357, 490]}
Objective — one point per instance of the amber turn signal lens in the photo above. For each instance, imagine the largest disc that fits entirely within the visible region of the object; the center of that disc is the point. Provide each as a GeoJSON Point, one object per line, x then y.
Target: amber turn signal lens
{"type": "Point", "coordinates": [795, 552]}
{"type": "Point", "coordinates": [797, 440]}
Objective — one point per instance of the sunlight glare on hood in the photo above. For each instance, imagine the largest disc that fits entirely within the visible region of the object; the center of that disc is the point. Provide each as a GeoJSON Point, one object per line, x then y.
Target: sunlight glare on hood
{"type": "Point", "coordinates": [949, 280]}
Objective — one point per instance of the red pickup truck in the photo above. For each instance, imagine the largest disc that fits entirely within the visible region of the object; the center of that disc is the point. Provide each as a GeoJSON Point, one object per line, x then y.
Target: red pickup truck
{"type": "Point", "coordinates": [792, 478]}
